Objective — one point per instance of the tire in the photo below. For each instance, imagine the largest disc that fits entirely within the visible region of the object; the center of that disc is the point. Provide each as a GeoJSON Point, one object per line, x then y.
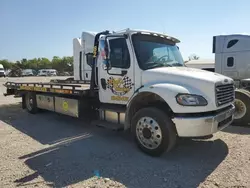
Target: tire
{"type": "Point", "coordinates": [242, 105]}
{"type": "Point", "coordinates": [164, 135]}
{"type": "Point", "coordinates": [30, 102]}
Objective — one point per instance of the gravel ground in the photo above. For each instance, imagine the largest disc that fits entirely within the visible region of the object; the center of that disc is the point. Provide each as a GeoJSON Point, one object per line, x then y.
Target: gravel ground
{"type": "Point", "coordinates": [52, 150]}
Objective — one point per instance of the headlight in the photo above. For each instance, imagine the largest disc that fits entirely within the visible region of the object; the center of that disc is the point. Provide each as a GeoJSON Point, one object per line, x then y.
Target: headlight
{"type": "Point", "coordinates": [191, 100]}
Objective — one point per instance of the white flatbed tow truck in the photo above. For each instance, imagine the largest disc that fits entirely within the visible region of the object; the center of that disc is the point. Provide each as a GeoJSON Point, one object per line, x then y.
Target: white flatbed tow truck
{"type": "Point", "coordinates": [136, 80]}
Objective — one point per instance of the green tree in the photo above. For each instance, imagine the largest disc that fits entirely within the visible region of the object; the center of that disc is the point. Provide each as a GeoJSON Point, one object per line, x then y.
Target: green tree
{"type": "Point", "coordinates": [6, 64]}
{"type": "Point", "coordinates": [193, 57]}
{"type": "Point", "coordinates": [64, 64]}
{"type": "Point", "coordinates": [44, 63]}
{"type": "Point", "coordinates": [56, 62]}
{"type": "Point", "coordinates": [32, 64]}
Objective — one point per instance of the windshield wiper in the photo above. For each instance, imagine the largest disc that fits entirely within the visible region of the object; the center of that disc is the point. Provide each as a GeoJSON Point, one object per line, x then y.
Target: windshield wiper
{"type": "Point", "coordinates": [177, 64]}
{"type": "Point", "coordinates": [160, 65]}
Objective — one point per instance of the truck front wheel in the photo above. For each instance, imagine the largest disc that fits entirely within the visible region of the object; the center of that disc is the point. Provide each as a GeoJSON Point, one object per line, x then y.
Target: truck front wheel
{"type": "Point", "coordinates": [154, 131]}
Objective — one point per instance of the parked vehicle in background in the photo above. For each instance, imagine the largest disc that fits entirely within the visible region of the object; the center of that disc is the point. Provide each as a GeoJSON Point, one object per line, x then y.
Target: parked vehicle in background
{"type": "Point", "coordinates": [232, 53]}
{"type": "Point", "coordinates": [2, 72]}
{"type": "Point", "coordinates": [28, 72]}
{"type": "Point", "coordinates": [41, 72]}
{"type": "Point", "coordinates": [52, 72]}
{"type": "Point", "coordinates": [47, 72]}
{"type": "Point", "coordinates": [201, 64]}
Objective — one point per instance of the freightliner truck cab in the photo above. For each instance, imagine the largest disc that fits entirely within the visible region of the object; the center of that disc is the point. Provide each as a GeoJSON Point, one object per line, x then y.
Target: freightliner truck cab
{"type": "Point", "coordinates": [144, 72]}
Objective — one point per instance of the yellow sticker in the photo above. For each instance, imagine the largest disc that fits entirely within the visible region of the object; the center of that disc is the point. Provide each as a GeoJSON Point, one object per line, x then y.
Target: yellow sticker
{"type": "Point", "coordinates": [120, 86]}
{"type": "Point", "coordinates": [26, 87]}
{"type": "Point", "coordinates": [31, 88]}
{"type": "Point", "coordinates": [40, 89]}
{"type": "Point", "coordinates": [95, 51]}
{"type": "Point", "coordinates": [60, 91]}
{"type": "Point", "coordinates": [119, 98]}
{"type": "Point", "coordinates": [65, 106]}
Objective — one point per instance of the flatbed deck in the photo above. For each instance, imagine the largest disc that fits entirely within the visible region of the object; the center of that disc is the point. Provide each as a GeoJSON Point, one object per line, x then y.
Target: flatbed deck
{"type": "Point", "coordinates": [48, 87]}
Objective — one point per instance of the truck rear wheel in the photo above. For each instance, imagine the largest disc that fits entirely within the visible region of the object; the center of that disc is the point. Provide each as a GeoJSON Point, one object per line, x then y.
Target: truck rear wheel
{"type": "Point", "coordinates": [242, 104]}
{"type": "Point", "coordinates": [30, 102]}
{"type": "Point", "coordinates": [154, 131]}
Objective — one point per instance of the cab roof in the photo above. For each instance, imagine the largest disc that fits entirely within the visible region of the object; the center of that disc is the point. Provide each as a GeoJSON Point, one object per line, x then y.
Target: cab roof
{"type": "Point", "coordinates": [147, 32]}
{"type": "Point", "coordinates": [138, 31]}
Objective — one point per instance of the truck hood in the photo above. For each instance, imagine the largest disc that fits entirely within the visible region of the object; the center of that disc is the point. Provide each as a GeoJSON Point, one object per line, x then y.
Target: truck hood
{"type": "Point", "coordinates": [182, 75]}
{"type": "Point", "coordinates": [177, 80]}
{"type": "Point", "coordinates": [195, 81]}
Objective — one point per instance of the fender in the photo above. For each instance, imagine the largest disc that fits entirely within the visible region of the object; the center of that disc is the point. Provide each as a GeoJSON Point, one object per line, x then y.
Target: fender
{"type": "Point", "coordinates": [168, 92]}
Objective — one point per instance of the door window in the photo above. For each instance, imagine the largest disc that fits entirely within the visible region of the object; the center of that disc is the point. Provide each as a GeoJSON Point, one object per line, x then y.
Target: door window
{"type": "Point", "coordinates": [230, 61]}
{"type": "Point", "coordinates": [232, 43]}
{"type": "Point", "coordinates": [119, 54]}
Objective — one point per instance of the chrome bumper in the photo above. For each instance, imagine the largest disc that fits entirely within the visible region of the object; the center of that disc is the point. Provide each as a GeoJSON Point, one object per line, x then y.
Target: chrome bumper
{"type": "Point", "coordinates": [203, 126]}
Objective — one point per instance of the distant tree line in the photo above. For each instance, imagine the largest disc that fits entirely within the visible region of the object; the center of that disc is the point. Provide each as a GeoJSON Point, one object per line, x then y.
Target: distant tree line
{"type": "Point", "coordinates": [193, 57]}
{"type": "Point", "coordinates": [64, 64]}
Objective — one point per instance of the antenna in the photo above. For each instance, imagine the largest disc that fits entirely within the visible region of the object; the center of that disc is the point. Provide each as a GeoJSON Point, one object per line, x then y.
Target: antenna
{"type": "Point", "coordinates": [164, 31]}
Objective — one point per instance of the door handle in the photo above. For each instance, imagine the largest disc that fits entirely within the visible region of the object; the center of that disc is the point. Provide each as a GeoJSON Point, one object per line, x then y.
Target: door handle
{"type": "Point", "coordinates": [124, 72]}
{"type": "Point", "coordinates": [103, 83]}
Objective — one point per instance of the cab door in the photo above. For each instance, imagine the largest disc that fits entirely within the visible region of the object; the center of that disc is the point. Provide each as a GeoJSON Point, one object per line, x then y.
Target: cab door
{"type": "Point", "coordinates": [230, 66]}
{"type": "Point", "coordinates": [116, 84]}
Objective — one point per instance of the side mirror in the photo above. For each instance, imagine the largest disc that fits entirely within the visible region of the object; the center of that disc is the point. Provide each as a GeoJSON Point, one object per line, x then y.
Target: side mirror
{"type": "Point", "coordinates": [89, 57]}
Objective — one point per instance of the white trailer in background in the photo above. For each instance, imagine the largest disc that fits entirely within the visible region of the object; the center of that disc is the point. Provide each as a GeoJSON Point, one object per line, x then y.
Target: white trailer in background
{"type": "Point", "coordinates": [232, 59]}
{"type": "Point", "coordinates": [201, 64]}
{"type": "Point", "coordinates": [83, 56]}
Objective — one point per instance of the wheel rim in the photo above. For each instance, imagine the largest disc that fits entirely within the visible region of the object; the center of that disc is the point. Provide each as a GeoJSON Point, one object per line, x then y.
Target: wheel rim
{"type": "Point", "coordinates": [29, 102]}
{"type": "Point", "coordinates": [148, 132]}
{"type": "Point", "coordinates": [240, 109]}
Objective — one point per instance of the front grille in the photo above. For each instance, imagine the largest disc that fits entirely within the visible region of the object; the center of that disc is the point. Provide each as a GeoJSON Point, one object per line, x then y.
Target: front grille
{"type": "Point", "coordinates": [224, 94]}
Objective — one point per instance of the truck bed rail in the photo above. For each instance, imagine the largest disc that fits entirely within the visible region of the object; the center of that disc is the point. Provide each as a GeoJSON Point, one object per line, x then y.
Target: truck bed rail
{"type": "Point", "coordinates": [48, 87]}
{"type": "Point", "coordinates": [70, 81]}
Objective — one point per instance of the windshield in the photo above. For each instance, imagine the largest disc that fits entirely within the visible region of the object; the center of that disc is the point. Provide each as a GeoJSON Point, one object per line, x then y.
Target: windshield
{"type": "Point", "coordinates": [153, 51]}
